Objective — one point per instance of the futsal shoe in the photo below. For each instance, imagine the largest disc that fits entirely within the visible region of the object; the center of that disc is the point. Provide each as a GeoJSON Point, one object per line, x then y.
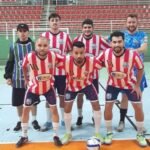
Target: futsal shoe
{"type": "Point", "coordinates": [22, 141]}
{"type": "Point", "coordinates": [66, 139]}
{"type": "Point", "coordinates": [108, 138]}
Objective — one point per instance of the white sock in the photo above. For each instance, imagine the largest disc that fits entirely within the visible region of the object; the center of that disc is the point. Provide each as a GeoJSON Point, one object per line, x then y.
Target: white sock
{"type": "Point", "coordinates": [48, 115]}
{"type": "Point", "coordinates": [55, 128]}
{"type": "Point", "coordinates": [67, 119]}
{"type": "Point", "coordinates": [108, 124]}
{"type": "Point", "coordinates": [33, 118]}
{"type": "Point", "coordinates": [80, 112]}
{"type": "Point", "coordinates": [24, 129]}
{"type": "Point", "coordinates": [20, 118]}
{"type": "Point", "coordinates": [139, 125]}
{"type": "Point", "coordinates": [97, 120]}
{"type": "Point", "coordinates": [62, 113]}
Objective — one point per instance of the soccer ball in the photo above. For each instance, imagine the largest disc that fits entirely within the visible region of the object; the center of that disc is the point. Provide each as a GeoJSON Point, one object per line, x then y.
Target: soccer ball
{"type": "Point", "coordinates": [93, 143]}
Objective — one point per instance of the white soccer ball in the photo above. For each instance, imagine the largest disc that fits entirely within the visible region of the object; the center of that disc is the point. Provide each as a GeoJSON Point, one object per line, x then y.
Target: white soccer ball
{"type": "Point", "coordinates": [93, 143]}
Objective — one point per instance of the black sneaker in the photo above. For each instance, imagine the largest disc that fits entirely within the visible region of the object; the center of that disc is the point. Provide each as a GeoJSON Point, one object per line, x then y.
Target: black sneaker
{"type": "Point", "coordinates": [18, 126]}
{"type": "Point", "coordinates": [22, 141]}
{"type": "Point", "coordinates": [79, 121]}
{"type": "Point", "coordinates": [35, 125]}
{"type": "Point", "coordinates": [57, 141]}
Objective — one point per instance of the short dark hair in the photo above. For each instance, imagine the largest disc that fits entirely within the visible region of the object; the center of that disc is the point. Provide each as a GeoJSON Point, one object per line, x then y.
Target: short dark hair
{"type": "Point", "coordinates": [87, 21]}
{"type": "Point", "coordinates": [117, 34]}
{"type": "Point", "coordinates": [54, 15]}
{"type": "Point", "coordinates": [132, 16]}
{"type": "Point", "coordinates": [78, 44]}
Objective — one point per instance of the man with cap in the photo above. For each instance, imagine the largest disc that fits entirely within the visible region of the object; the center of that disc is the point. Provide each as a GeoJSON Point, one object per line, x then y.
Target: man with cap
{"type": "Point", "coordinates": [14, 74]}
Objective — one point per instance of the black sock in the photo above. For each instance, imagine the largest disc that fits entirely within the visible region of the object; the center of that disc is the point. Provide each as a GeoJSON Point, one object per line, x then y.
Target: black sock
{"type": "Point", "coordinates": [123, 113]}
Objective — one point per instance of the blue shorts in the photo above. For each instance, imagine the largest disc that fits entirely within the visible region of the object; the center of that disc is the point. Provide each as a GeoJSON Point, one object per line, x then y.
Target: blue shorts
{"type": "Point", "coordinates": [33, 99]}
{"type": "Point", "coordinates": [60, 84]}
{"type": "Point", "coordinates": [112, 94]}
{"type": "Point", "coordinates": [89, 91]}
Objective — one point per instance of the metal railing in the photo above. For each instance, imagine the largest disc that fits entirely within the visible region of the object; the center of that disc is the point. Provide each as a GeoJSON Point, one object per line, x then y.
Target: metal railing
{"type": "Point", "coordinates": [76, 2]}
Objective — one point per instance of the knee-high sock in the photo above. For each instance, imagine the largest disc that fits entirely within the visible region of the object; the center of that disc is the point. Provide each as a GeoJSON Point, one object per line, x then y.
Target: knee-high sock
{"type": "Point", "coordinates": [97, 120]}
{"type": "Point", "coordinates": [67, 119]}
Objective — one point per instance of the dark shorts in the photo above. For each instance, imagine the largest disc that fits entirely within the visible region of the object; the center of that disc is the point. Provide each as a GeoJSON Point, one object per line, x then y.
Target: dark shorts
{"type": "Point", "coordinates": [18, 96]}
{"type": "Point", "coordinates": [112, 94]}
{"type": "Point", "coordinates": [60, 84]}
{"type": "Point", "coordinates": [34, 99]}
{"type": "Point", "coordinates": [89, 91]}
{"type": "Point", "coordinates": [95, 83]}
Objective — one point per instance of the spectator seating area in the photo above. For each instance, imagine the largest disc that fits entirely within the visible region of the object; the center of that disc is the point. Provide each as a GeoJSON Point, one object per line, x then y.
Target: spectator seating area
{"type": "Point", "coordinates": [17, 14]}
{"type": "Point", "coordinates": [103, 15]}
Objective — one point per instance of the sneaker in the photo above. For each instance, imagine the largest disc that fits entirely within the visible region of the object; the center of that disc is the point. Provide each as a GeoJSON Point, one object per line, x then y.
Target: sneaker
{"type": "Point", "coordinates": [35, 125]}
{"type": "Point", "coordinates": [18, 126]}
{"type": "Point", "coordinates": [62, 123]}
{"type": "Point", "coordinates": [141, 140]}
{"type": "Point", "coordinates": [79, 121]}
{"type": "Point", "coordinates": [57, 141]}
{"type": "Point", "coordinates": [22, 141]}
{"type": "Point", "coordinates": [97, 135]}
{"type": "Point", "coordinates": [121, 126]}
{"type": "Point", "coordinates": [47, 126]}
{"type": "Point", "coordinates": [67, 137]}
{"type": "Point", "coordinates": [108, 138]}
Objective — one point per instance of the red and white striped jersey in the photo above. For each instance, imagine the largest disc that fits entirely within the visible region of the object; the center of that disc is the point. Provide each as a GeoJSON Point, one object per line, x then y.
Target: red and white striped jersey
{"type": "Point", "coordinates": [59, 43]}
{"type": "Point", "coordinates": [80, 77]}
{"type": "Point", "coordinates": [120, 69]}
{"type": "Point", "coordinates": [93, 47]}
{"type": "Point", "coordinates": [40, 71]}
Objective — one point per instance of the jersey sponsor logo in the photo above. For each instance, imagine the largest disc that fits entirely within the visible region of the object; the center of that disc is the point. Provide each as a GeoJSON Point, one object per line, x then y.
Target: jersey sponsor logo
{"type": "Point", "coordinates": [118, 75]}
{"type": "Point", "coordinates": [56, 50]}
{"type": "Point", "coordinates": [43, 77]}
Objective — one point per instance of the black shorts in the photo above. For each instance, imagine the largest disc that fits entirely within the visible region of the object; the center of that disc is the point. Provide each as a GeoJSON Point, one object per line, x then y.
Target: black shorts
{"type": "Point", "coordinates": [34, 99]}
{"type": "Point", "coordinates": [89, 91]}
{"type": "Point", "coordinates": [113, 92]}
{"type": "Point", "coordinates": [60, 84]}
{"type": "Point", "coordinates": [95, 83]}
{"type": "Point", "coordinates": [18, 96]}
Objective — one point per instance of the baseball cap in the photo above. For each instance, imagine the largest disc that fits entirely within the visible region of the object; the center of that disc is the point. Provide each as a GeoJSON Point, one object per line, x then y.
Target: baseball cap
{"type": "Point", "coordinates": [22, 26]}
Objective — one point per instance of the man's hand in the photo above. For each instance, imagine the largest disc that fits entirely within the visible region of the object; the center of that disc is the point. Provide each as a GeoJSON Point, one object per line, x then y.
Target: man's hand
{"type": "Point", "coordinates": [9, 81]}
{"type": "Point", "coordinates": [138, 91]}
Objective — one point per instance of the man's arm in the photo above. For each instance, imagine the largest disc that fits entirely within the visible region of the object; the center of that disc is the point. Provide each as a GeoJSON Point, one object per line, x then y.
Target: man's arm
{"type": "Point", "coordinates": [142, 49]}
{"type": "Point", "coordinates": [9, 67]}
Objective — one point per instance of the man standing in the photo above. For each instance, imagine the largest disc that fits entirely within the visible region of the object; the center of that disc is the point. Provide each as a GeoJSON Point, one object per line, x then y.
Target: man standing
{"type": "Point", "coordinates": [79, 75]}
{"type": "Point", "coordinates": [60, 43]}
{"type": "Point", "coordinates": [94, 44]}
{"type": "Point", "coordinates": [120, 63]}
{"type": "Point", "coordinates": [38, 69]}
{"type": "Point", "coordinates": [14, 75]}
{"type": "Point", "coordinates": [136, 41]}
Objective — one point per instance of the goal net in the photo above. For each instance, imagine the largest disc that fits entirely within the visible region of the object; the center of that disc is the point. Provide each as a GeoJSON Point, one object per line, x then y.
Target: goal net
{"type": "Point", "coordinates": [35, 32]}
